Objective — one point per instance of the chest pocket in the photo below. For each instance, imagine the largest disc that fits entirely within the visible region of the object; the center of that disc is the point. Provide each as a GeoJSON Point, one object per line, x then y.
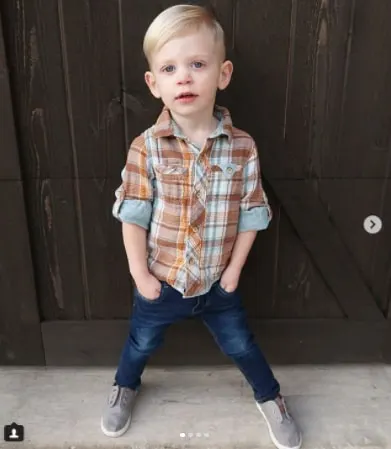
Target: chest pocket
{"type": "Point", "coordinates": [172, 183]}
{"type": "Point", "coordinates": [226, 180]}
{"type": "Point", "coordinates": [228, 170]}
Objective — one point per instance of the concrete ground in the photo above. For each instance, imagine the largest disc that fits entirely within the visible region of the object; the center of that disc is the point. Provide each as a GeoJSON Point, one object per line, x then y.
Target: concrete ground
{"type": "Point", "coordinates": [336, 407]}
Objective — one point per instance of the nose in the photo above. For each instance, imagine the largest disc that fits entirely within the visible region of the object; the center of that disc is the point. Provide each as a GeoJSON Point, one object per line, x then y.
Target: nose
{"type": "Point", "coordinates": [184, 77]}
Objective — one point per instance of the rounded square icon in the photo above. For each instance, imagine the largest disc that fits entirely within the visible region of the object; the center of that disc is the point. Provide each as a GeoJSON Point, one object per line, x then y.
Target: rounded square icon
{"type": "Point", "coordinates": [13, 432]}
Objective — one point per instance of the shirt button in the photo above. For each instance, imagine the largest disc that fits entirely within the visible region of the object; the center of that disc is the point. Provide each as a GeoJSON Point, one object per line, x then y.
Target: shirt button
{"type": "Point", "coordinates": [191, 261]}
{"type": "Point", "coordinates": [196, 228]}
{"type": "Point", "coordinates": [229, 169]}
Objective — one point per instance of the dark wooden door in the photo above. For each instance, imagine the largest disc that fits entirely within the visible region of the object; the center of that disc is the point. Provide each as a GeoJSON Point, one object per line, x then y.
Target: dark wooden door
{"type": "Point", "coordinates": [20, 327]}
{"type": "Point", "coordinates": [311, 84]}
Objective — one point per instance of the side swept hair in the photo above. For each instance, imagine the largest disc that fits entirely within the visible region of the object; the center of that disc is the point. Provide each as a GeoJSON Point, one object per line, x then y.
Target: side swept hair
{"type": "Point", "coordinates": [177, 21]}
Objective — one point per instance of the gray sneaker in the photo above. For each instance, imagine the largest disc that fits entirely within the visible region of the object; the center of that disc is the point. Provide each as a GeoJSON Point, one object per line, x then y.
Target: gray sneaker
{"type": "Point", "coordinates": [118, 414]}
{"type": "Point", "coordinates": [283, 430]}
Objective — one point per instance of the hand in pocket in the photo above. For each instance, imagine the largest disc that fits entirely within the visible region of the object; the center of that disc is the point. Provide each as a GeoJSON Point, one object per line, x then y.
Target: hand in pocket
{"type": "Point", "coordinates": [230, 279]}
{"type": "Point", "coordinates": [149, 286]}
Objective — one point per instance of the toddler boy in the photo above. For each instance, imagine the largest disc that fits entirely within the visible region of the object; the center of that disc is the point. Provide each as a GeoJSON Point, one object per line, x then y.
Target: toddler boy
{"type": "Point", "coordinates": [191, 203]}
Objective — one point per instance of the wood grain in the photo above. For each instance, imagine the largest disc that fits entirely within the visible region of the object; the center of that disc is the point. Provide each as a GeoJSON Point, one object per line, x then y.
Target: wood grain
{"type": "Point", "coordinates": [92, 66]}
{"type": "Point", "coordinates": [348, 203]}
{"type": "Point", "coordinates": [257, 94]}
{"type": "Point", "coordinates": [363, 150]}
{"type": "Point", "coordinates": [9, 165]}
{"type": "Point", "coordinates": [56, 248]}
{"type": "Point", "coordinates": [107, 272]}
{"type": "Point", "coordinates": [321, 238]}
{"type": "Point", "coordinates": [20, 330]}
{"type": "Point", "coordinates": [33, 41]}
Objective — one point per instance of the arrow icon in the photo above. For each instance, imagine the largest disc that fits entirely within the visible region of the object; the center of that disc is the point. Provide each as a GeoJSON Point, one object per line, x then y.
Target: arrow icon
{"type": "Point", "coordinates": [373, 224]}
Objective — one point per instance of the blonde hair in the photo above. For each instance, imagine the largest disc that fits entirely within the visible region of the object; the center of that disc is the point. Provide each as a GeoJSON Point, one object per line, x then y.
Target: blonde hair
{"type": "Point", "coordinates": [177, 21]}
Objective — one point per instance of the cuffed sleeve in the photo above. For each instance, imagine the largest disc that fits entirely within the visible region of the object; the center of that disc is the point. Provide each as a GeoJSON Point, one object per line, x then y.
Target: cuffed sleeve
{"type": "Point", "coordinates": [257, 219]}
{"type": "Point", "coordinates": [255, 211]}
{"type": "Point", "coordinates": [133, 211]}
{"type": "Point", "coordinates": [134, 196]}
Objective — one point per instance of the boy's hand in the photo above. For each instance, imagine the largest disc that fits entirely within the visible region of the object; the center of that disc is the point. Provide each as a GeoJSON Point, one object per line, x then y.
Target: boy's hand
{"type": "Point", "coordinates": [148, 286]}
{"type": "Point", "coordinates": [230, 278]}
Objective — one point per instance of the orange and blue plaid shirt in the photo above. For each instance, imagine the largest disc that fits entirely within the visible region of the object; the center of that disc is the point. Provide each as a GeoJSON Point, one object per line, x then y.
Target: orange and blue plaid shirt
{"type": "Point", "coordinates": [192, 201]}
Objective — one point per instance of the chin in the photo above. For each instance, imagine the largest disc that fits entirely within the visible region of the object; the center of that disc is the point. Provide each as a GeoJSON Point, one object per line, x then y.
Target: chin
{"type": "Point", "coordinates": [191, 108]}
{"type": "Point", "coordinates": [185, 109]}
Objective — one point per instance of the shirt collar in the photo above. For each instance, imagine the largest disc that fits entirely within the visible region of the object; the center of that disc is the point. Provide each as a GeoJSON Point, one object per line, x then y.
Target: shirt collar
{"type": "Point", "coordinates": [166, 126]}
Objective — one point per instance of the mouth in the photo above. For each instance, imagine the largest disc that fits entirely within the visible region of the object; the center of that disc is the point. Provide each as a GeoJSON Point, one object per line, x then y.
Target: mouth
{"type": "Point", "coordinates": [185, 95]}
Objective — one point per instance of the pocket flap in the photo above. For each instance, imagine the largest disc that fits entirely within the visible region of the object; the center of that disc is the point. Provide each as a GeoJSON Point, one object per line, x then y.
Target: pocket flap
{"type": "Point", "coordinates": [169, 170]}
{"type": "Point", "coordinates": [228, 169]}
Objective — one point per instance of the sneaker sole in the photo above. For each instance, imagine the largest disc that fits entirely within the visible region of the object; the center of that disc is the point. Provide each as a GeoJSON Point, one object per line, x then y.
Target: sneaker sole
{"type": "Point", "coordinates": [117, 434]}
{"type": "Point", "coordinates": [272, 436]}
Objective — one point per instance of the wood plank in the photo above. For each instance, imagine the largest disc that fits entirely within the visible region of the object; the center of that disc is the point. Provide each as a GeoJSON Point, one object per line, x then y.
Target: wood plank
{"type": "Point", "coordinates": [301, 288]}
{"type": "Point", "coordinates": [291, 342]}
{"type": "Point", "coordinates": [319, 37]}
{"type": "Point", "coordinates": [20, 330]}
{"type": "Point", "coordinates": [363, 149]}
{"type": "Point", "coordinates": [56, 248]}
{"type": "Point", "coordinates": [257, 94]}
{"type": "Point", "coordinates": [280, 279]}
{"type": "Point", "coordinates": [9, 166]}
{"type": "Point", "coordinates": [92, 64]}
{"type": "Point", "coordinates": [108, 282]}
{"type": "Point", "coordinates": [321, 238]}
{"type": "Point", "coordinates": [348, 202]}
{"type": "Point", "coordinates": [35, 58]}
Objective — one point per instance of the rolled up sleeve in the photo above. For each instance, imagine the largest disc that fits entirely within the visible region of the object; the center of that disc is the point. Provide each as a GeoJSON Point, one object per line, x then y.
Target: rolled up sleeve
{"type": "Point", "coordinates": [134, 197]}
{"type": "Point", "coordinates": [255, 211]}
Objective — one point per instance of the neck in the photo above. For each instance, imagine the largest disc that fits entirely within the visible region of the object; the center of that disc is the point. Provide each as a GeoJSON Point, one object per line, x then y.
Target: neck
{"type": "Point", "coordinates": [203, 123]}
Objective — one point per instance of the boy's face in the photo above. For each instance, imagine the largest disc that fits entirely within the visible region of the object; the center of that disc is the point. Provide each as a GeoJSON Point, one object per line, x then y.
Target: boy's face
{"type": "Point", "coordinates": [192, 65]}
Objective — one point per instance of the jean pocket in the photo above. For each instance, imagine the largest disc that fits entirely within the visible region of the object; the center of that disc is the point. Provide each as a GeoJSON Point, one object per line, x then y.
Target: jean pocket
{"type": "Point", "coordinates": [157, 300]}
{"type": "Point", "coordinates": [223, 292]}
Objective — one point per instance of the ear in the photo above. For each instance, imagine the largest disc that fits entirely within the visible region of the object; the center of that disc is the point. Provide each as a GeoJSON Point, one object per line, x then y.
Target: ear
{"type": "Point", "coordinates": [225, 74]}
{"type": "Point", "coordinates": [151, 83]}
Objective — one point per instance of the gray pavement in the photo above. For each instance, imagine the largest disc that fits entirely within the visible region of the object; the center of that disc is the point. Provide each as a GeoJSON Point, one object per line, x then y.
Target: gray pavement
{"type": "Point", "coordinates": [336, 407]}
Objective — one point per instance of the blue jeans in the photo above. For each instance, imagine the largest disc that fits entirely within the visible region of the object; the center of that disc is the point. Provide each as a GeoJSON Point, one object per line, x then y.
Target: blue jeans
{"type": "Point", "coordinates": [224, 316]}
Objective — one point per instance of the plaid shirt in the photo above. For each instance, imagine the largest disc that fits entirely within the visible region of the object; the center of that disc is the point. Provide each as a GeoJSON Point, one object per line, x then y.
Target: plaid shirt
{"type": "Point", "coordinates": [192, 201]}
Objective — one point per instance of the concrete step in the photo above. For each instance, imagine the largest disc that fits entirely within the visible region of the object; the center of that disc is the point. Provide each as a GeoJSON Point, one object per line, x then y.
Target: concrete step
{"type": "Point", "coordinates": [336, 407]}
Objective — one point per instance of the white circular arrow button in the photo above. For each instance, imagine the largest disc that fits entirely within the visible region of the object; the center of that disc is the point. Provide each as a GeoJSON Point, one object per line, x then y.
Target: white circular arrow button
{"type": "Point", "coordinates": [373, 224]}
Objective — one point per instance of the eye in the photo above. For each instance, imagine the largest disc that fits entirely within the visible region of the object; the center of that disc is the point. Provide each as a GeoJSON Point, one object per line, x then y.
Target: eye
{"type": "Point", "coordinates": [198, 64]}
{"type": "Point", "coordinates": [168, 69]}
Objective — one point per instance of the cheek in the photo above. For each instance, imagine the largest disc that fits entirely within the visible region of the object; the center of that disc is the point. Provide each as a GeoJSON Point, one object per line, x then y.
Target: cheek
{"type": "Point", "coordinates": [159, 89]}
{"type": "Point", "coordinates": [165, 86]}
{"type": "Point", "coordinates": [209, 82]}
